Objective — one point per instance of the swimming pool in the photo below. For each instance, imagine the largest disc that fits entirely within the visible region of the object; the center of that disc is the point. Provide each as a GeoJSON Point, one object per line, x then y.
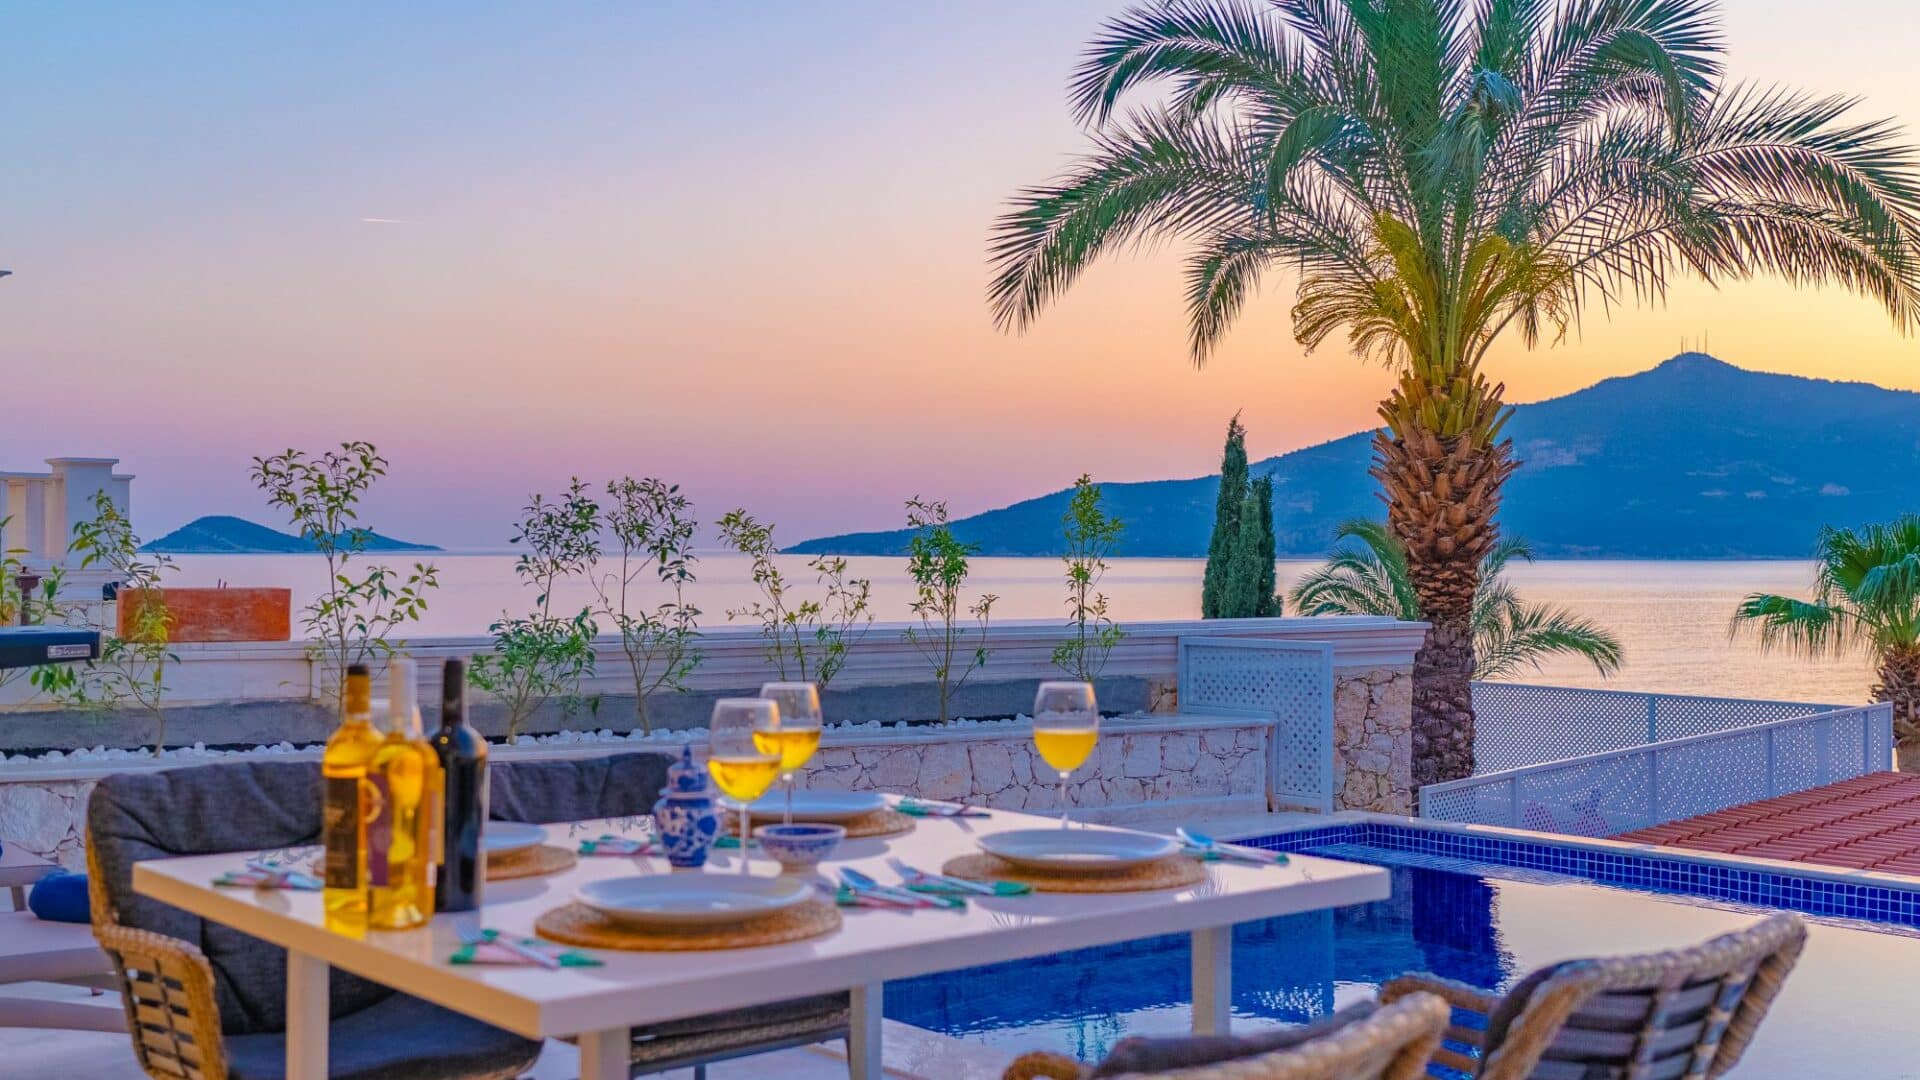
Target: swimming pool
{"type": "Point", "coordinates": [1845, 1011]}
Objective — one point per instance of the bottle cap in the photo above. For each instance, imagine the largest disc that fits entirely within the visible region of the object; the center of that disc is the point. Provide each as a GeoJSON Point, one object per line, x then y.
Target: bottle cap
{"type": "Point", "coordinates": [359, 697]}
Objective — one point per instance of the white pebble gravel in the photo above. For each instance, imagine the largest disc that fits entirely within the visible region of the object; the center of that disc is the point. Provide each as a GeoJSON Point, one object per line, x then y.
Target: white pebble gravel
{"type": "Point", "coordinates": [199, 751]}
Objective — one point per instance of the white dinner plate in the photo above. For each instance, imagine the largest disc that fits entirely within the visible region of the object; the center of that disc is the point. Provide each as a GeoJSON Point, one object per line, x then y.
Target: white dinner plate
{"type": "Point", "coordinates": [1078, 849]}
{"type": "Point", "coordinates": [500, 837]}
{"type": "Point", "coordinates": [819, 805]}
{"type": "Point", "coordinates": [683, 899]}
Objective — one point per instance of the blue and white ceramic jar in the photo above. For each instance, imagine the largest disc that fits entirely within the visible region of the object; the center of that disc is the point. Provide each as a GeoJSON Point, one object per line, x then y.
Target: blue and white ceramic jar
{"type": "Point", "coordinates": [687, 814]}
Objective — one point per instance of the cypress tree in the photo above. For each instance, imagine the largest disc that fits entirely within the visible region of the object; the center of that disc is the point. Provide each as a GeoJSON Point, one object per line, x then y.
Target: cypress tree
{"type": "Point", "coordinates": [1226, 519]}
{"type": "Point", "coordinates": [1263, 508]}
{"type": "Point", "coordinates": [1240, 598]}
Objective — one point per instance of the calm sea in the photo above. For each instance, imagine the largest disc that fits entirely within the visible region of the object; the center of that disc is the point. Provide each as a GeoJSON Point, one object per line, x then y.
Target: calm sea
{"type": "Point", "coordinates": [1670, 616]}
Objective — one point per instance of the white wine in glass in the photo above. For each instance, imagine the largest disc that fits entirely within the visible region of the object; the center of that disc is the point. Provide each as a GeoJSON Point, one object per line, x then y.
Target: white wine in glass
{"type": "Point", "coordinates": [1066, 727]}
{"type": "Point", "coordinates": [798, 735]}
{"type": "Point", "coordinates": [740, 767]}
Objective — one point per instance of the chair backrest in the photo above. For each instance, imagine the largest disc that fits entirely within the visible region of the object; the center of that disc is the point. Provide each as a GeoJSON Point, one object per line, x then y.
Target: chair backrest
{"type": "Point", "coordinates": [1392, 1044]}
{"type": "Point", "coordinates": [577, 789]}
{"type": "Point", "coordinates": [1686, 1014]}
{"type": "Point", "coordinates": [204, 810]}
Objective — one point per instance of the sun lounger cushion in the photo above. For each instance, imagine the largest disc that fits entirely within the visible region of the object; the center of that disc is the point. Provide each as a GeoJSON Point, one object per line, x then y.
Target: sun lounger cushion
{"type": "Point", "coordinates": [60, 897]}
{"type": "Point", "coordinates": [1140, 1054]}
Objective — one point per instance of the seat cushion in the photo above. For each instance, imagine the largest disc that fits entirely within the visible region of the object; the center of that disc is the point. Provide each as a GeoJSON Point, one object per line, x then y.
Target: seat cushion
{"type": "Point", "coordinates": [60, 898]}
{"type": "Point", "coordinates": [1140, 1054]}
{"type": "Point", "coordinates": [238, 806]}
{"type": "Point", "coordinates": [577, 789]}
{"type": "Point", "coordinates": [400, 1038]}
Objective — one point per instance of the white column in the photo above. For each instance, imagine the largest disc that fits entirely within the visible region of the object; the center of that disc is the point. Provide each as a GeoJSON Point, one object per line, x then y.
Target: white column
{"type": "Point", "coordinates": [863, 1034]}
{"type": "Point", "coordinates": [307, 1017]}
{"type": "Point", "coordinates": [1212, 980]}
{"type": "Point", "coordinates": [606, 1055]}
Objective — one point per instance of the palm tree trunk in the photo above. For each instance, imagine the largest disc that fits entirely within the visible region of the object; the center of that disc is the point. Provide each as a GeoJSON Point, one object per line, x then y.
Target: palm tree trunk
{"type": "Point", "coordinates": [1443, 490]}
{"type": "Point", "coordinates": [1900, 684]}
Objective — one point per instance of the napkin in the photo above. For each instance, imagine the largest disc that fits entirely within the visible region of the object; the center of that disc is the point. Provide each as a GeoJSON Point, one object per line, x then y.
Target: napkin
{"type": "Point", "coordinates": [1000, 888]}
{"type": "Point", "coordinates": [261, 875]}
{"type": "Point", "coordinates": [913, 808]}
{"type": "Point", "coordinates": [616, 845]}
{"type": "Point", "coordinates": [494, 951]}
{"type": "Point", "coordinates": [1247, 855]}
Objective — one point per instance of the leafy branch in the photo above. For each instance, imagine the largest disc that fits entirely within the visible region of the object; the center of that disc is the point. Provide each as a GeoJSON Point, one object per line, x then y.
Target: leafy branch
{"type": "Point", "coordinates": [808, 638]}
{"type": "Point", "coordinates": [1091, 535]}
{"type": "Point", "coordinates": [654, 526]}
{"type": "Point", "coordinates": [937, 563]}
{"type": "Point", "coordinates": [352, 619]}
{"type": "Point", "coordinates": [540, 656]}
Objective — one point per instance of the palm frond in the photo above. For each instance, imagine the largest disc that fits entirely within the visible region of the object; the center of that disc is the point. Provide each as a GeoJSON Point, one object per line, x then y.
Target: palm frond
{"type": "Point", "coordinates": [1521, 635]}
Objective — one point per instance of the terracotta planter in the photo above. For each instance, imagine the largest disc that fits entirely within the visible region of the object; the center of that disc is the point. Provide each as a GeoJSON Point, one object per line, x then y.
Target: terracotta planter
{"type": "Point", "coordinates": [217, 614]}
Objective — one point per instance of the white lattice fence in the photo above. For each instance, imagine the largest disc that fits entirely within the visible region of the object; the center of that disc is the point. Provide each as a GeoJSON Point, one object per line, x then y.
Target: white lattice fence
{"type": "Point", "coordinates": [1622, 790]}
{"type": "Point", "coordinates": [1517, 724]}
{"type": "Point", "coordinates": [1292, 681]}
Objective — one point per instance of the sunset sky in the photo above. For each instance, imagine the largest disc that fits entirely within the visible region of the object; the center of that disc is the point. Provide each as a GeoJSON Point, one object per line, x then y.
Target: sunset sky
{"type": "Point", "coordinates": [738, 246]}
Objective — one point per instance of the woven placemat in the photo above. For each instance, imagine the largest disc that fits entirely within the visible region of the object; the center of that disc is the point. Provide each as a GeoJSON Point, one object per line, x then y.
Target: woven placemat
{"type": "Point", "coordinates": [883, 822]}
{"type": "Point", "coordinates": [529, 862]}
{"type": "Point", "coordinates": [575, 924]}
{"type": "Point", "coordinates": [1172, 872]}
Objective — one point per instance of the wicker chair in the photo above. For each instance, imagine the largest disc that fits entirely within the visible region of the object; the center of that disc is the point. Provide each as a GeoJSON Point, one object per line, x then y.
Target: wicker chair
{"type": "Point", "coordinates": [1391, 1043]}
{"type": "Point", "coordinates": [626, 785]}
{"type": "Point", "coordinates": [1686, 1014]}
{"type": "Point", "coordinates": [205, 1002]}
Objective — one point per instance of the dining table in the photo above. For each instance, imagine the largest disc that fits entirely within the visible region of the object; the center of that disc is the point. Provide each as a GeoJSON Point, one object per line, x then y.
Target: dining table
{"type": "Point", "coordinates": [600, 1005]}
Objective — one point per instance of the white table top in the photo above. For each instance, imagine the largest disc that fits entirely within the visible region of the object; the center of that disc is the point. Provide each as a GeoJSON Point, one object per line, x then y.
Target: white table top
{"type": "Point", "coordinates": [876, 945]}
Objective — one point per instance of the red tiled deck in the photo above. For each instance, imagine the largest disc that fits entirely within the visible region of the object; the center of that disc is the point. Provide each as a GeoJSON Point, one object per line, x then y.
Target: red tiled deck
{"type": "Point", "coordinates": [1871, 822]}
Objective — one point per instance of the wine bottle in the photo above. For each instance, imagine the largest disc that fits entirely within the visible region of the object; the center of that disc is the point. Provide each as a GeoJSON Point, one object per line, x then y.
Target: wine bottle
{"type": "Point", "coordinates": [462, 753]}
{"type": "Point", "coordinates": [404, 776]}
{"type": "Point", "coordinates": [345, 804]}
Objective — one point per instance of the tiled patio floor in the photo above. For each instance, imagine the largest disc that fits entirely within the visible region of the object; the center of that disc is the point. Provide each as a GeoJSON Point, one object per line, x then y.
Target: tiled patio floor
{"type": "Point", "coordinates": [1871, 822]}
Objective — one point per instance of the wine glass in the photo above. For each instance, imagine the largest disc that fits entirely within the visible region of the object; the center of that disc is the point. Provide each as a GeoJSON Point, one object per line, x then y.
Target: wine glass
{"type": "Point", "coordinates": [798, 735]}
{"type": "Point", "coordinates": [1066, 724]}
{"type": "Point", "coordinates": [740, 767]}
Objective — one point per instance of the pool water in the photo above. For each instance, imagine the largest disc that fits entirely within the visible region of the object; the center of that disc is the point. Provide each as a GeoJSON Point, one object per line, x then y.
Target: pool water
{"type": "Point", "coordinates": [1845, 1011]}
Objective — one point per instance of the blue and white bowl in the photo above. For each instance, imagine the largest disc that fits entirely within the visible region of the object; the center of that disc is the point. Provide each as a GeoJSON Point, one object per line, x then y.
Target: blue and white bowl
{"type": "Point", "coordinates": [799, 847]}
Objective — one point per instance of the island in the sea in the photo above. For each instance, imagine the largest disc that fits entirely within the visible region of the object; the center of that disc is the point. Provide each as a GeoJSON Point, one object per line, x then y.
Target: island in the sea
{"type": "Point", "coordinates": [222, 535]}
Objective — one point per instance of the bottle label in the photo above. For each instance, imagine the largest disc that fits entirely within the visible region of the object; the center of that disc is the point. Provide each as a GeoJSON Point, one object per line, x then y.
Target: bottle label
{"type": "Point", "coordinates": [340, 832]}
{"type": "Point", "coordinates": [380, 834]}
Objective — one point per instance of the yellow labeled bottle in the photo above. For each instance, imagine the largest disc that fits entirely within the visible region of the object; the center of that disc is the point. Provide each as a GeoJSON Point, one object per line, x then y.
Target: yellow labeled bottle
{"type": "Point", "coordinates": [346, 804]}
{"type": "Point", "coordinates": [405, 778]}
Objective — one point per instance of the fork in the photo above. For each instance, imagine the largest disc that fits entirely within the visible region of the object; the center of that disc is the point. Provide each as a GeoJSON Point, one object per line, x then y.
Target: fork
{"type": "Point", "coordinates": [1209, 845]}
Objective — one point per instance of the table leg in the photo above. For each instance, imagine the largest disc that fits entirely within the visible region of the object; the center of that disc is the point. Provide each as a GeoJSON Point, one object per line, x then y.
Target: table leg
{"type": "Point", "coordinates": [1212, 980]}
{"type": "Point", "coordinates": [307, 1017]}
{"type": "Point", "coordinates": [606, 1055]}
{"type": "Point", "coordinates": [863, 1034]}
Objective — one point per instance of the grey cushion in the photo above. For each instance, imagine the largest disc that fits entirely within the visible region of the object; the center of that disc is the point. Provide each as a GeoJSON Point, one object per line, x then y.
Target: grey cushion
{"type": "Point", "coordinates": [1140, 1054]}
{"type": "Point", "coordinates": [242, 806]}
{"type": "Point", "coordinates": [401, 1038]}
{"type": "Point", "coordinates": [577, 789]}
{"type": "Point", "coordinates": [246, 806]}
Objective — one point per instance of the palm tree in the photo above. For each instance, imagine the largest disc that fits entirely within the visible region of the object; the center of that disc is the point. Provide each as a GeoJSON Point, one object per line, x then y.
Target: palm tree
{"type": "Point", "coordinates": [1866, 595]}
{"type": "Point", "coordinates": [1430, 174]}
{"type": "Point", "coordinates": [1371, 578]}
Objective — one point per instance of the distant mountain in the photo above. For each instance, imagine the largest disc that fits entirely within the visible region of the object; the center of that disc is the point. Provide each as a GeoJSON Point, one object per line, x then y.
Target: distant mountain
{"type": "Point", "coordinates": [1694, 459]}
{"type": "Point", "coordinates": [219, 535]}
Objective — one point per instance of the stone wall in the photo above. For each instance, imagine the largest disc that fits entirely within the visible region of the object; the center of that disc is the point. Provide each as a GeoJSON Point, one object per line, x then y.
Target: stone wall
{"type": "Point", "coordinates": [46, 818]}
{"type": "Point", "coordinates": [1145, 768]}
{"type": "Point", "coordinates": [1373, 739]}
{"type": "Point", "coordinates": [1170, 766]}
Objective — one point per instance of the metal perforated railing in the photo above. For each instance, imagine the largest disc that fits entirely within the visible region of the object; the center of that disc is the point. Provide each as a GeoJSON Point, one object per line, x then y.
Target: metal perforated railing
{"type": "Point", "coordinates": [1622, 790]}
{"type": "Point", "coordinates": [1517, 724]}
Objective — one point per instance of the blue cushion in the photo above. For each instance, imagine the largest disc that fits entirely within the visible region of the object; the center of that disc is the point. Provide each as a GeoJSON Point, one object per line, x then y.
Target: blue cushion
{"type": "Point", "coordinates": [60, 897]}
